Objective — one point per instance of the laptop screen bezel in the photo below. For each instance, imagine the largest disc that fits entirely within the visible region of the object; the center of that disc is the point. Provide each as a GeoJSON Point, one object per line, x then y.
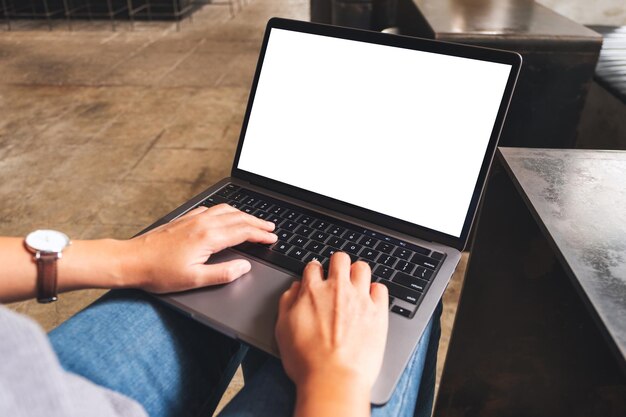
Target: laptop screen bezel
{"type": "Point", "coordinates": [426, 45]}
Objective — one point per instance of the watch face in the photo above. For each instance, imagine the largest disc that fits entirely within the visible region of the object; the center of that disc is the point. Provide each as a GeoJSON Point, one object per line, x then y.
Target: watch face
{"type": "Point", "coordinates": [47, 240]}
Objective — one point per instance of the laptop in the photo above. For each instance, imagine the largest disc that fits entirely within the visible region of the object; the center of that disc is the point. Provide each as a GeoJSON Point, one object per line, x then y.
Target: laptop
{"type": "Point", "coordinates": [374, 144]}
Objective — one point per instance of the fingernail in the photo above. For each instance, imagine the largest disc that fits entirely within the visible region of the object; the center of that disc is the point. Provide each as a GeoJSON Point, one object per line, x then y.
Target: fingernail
{"type": "Point", "coordinates": [243, 267]}
{"type": "Point", "coordinates": [271, 224]}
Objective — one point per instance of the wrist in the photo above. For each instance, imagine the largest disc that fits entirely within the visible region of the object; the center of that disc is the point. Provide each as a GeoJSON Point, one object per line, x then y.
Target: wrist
{"type": "Point", "coordinates": [130, 271]}
{"type": "Point", "coordinates": [345, 379]}
{"type": "Point", "coordinates": [333, 393]}
{"type": "Point", "coordinates": [93, 264]}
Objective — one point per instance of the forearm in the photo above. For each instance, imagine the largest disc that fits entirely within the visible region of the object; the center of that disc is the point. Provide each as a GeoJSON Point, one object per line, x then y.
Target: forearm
{"type": "Point", "coordinates": [84, 264]}
{"type": "Point", "coordinates": [169, 258]}
{"type": "Point", "coordinates": [332, 396]}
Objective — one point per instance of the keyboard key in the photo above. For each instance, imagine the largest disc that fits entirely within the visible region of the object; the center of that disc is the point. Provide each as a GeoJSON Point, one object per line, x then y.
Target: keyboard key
{"type": "Point", "coordinates": [416, 248]}
{"type": "Point", "coordinates": [279, 211]}
{"type": "Point", "coordinates": [403, 253]}
{"type": "Point", "coordinates": [306, 220]}
{"type": "Point", "coordinates": [226, 191]}
{"type": "Point", "coordinates": [370, 254]}
{"type": "Point", "coordinates": [247, 209]}
{"type": "Point", "coordinates": [311, 256]}
{"type": "Point", "coordinates": [320, 225]}
{"type": "Point", "coordinates": [336, 230]}
{"type": "Point", "coordinates": [372, 264]}
{"type": "Point", "coordinates": [385, 247]}
{"type": "Point", "coordinates": [353, 258]}
{"type": "Point", "coordinates": [263, 205]}
{"type": "Point", "coordinates": [292, 215]}
{"type": "Point", "coordinates": [387, 260]}
{"type": "Point", "coordinates": [401, 292]}
{"type": "Point", "coordinates": [250, 201]}
{"type": "Point", "coordinates": [352, 248]}
{"type": "Point", "coordinates": [275, 219]}
{"type": "Point", "coordinates": [319, 236]}
{"type": "Point", "coordinates": [352, 236]}
{"type": "Point", "coordinates": [377, 235]}
{"type": "Point", "coordinates": [215, 199]}
{"type": "Point", "coordinates": [281, 247]}
{"type": "Point", "coordinates": [411, 282]}
{"type": "Point", "coordinates": [283, 235]}
{"type": "Point", "coordinates": [261, 214]}
{"type": "Point", "coordinates": [238, 196]}
{"type": "Point", "coordinates": [299, 254]}
{"type": "Point", "coordinates": [401, 311]}
{"type": "Point", "coordinates": [315, 247]}
{"type": "Point", "coordinates": [299, 241]}
{"type": "Point", "coordinates": [383, 272]}
{"type": "Point", "coordinates": [423, 273]}
{"type": "Point", "coordinates": [336, 242]}
{"type": "Point", "coordinates": [404, 266]}
{"type": "Point", "coordinates": [370, 242]}
{"type": "Point", "coordinates": [289, 225]}
{"type": "Point", "coordinates": [234, 204]}
{"type": "Point", "coordinates": [328, 252]}
{"type": "Point", "coordinates": [304, 230]}
{"type": "Point", "coordinates": [437, 256]}
{"type": "Point", "coordinates": [396, 242]}
{"type": "Point", "coordinates": [425, 261]}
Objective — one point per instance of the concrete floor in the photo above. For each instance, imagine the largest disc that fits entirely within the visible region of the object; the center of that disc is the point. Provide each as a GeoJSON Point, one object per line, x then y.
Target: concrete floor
{"type": "Point", "coordinates": [103, 132]}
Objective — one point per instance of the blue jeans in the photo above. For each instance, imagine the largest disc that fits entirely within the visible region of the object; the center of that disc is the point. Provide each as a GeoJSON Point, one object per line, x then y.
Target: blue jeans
{"type": "Point", "coordinates": [174, 366]}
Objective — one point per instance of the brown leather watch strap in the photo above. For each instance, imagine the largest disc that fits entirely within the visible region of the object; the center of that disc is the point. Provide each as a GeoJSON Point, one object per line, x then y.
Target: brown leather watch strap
{"type": "Point", "coordinates": [46, 276]}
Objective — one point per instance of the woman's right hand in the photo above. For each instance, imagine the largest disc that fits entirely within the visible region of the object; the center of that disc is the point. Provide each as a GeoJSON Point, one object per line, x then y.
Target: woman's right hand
{"type": "Point", "coordinates": [331, 334]}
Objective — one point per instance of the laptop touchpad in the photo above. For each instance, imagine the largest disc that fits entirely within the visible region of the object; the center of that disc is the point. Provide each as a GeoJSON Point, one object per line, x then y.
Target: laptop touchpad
{"type": "Point", "coordinates": [246, 308]}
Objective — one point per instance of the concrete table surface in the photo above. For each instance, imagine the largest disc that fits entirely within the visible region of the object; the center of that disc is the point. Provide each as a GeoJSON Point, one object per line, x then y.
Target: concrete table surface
{"type": "Point", "coordinates": [541, 323]}
{"type": "Point", "coordinates": [579, 198]}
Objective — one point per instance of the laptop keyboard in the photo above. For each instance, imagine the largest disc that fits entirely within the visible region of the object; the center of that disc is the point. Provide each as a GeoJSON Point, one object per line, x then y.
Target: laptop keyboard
{"type": "Point", "coordinates": [303, 235]}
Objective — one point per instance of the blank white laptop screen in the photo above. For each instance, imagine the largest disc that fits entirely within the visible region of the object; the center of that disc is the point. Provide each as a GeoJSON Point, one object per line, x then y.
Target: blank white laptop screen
{"type": "Point", "coordinates": [396, 131]}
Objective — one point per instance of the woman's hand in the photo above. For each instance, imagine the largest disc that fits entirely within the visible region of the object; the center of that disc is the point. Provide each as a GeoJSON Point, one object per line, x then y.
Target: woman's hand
{"type": "Point", "coordinates": [172, 257]}
{"type": "Point", "coordinates": [331, 335]}
{"type": "Point", "coordinates": [166, 259]}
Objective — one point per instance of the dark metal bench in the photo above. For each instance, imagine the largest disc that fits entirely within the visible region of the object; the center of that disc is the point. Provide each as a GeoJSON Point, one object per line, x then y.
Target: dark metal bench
{"type": "Point", "coordinates": [603, 122]}
{"type": "Point", "coordinates": [611, 68]}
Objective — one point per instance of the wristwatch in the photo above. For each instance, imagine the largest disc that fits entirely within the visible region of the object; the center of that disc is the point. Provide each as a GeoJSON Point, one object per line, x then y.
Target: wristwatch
{"type": "Point", "coordinates": [47, 246]}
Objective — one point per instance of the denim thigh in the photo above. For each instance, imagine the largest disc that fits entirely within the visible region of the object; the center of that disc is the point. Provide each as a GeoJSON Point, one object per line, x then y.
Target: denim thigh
{"type": "Point", "coordinates": [130, 343]}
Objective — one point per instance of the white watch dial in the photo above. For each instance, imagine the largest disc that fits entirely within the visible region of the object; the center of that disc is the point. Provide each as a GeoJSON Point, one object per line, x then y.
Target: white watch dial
{"type": "Point", "coordinates": [47, 240]}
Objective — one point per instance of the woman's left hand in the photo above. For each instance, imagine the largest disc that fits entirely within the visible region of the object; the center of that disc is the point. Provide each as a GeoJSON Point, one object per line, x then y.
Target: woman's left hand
{"type": "Point", "coordinates": [173, 257]}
